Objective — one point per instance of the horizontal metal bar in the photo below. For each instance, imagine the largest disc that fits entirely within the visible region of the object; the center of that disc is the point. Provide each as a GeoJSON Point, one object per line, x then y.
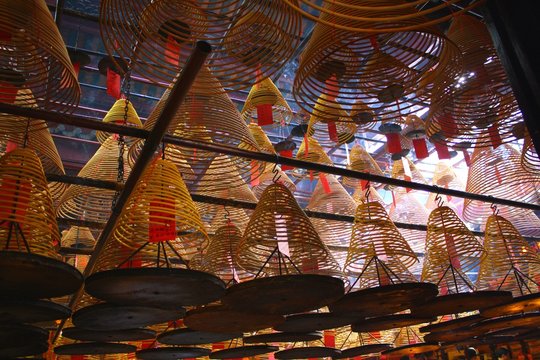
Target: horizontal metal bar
{"type": "Point", "coordinates": [74, 251]}
{"type": "Point", "coordinates": [77, 222]}
{"type": "Point", "coordinates": [84, 181]}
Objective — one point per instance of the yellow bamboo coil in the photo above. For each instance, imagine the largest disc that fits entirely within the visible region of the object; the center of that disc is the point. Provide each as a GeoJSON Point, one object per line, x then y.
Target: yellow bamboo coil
{"type": "Point", "coordinates": [26, 206]}
{"type": "Point", "coordinates": [324, 117]}
{"type": "Point", "coordinates": [375, 237]}
{"type": "Point", "coordinates": [529, 156]}
{"type": "Point", "coordinates": [79, 237]}
{"type": "Point", "coordinates": [361, 161]}
{"type": "Point", "coordinates": [363, 116]}
{"type": "Point", "coordinates": [161, 200]}
{"type": "Point", "coordinates": [87, 203]}
{"type": "Point", "coordinates": [261, 138]}
{"type": "Point", "coordinates": [312, 152]}
{"type": "Point", "coordinates": [260, 39]}
{"type": "Point", "coordinates": [399, 172]}
{"type": "Point", "coordinates": [451, 252]}
{"type": "Point", "coordinates": [360, 193]}
{"type": "Point", "coordinates": [277, 223]}
{"type": "Point", "coordinates": [267, 93]}
{"type": "Point", "coordinates": [409, 210]}
{"type": "Point", "coordinates": [116, 114]}
{"type": "Point", "coordinates": [33, 56]}
{"type": "Point", "coordinates": [510, 262]}
{"type": "Point", "coordinates": [479, 110]}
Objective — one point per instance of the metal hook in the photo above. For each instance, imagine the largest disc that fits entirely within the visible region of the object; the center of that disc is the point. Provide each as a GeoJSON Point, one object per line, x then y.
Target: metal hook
{"type": "Point", "coordinates": [493, 208]}
{"type": "Point", "coordinates": [368, 191]}
{"type": "Point", "coordinates": [276, 173]}
{"type": "Point", "coordinates": [227, 215]}
{"type": "Point", "coordinates": [439, 200]}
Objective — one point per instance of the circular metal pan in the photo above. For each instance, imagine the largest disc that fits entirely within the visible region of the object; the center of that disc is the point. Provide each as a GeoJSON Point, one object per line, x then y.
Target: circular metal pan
{"type": "Point", "coordinates": [243, 352]}
{"type": "Point", "coordinates": [13, 310]}
{"type": "Point", "coordinates": [159, 287]}
{"type": "Point", "coordinates": [412, 349]}
{"type": "Point", "coordinates": [455, 335]}
{"type": "Point", "coordinates": [517, 305]}
{"type": "Point", "coordinates": [307, 352]}
{"type": "Point", "coordinates": [531, 320]}
{"type": "Point", "coordinates": [94, 348]}
{"type": "Point", "coordinates": [172, 353]}
{"type": "Point", "coordinates": [390, 322]}
{"type": "Point", "coordinates": [284, 337]}
{"type": "Point", "coordinates": [22, 340]}
{"type": "Point", "coordinates": [364, 350]}
{"type": "Point", "coordinates": [459, 303]}
{"type": "Point", "coordinates": [187, 336]}
{"type": "Point", "coordinates": [452, 324]}
{"type": "Point", "coordinates": [108, 335]}
{"type": "Point", "coordinates": [35, 276]}
{"type": "Point", "coordinates": [284, 294]}
{"type": "Point", "coordinates": [314, 322]}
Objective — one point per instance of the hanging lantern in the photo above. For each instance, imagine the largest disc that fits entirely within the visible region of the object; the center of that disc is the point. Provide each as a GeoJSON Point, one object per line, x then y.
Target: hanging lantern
{"type": "Point", "coordinates": [270, 105]}
{"type": "Point", "coordinates": [116, 116]}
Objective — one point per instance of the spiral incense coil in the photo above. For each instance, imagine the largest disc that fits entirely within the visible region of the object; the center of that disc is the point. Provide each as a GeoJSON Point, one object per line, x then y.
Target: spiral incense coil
{"type": "Point", "coordinates": [78, 237]}
{"type": "Point", "coordinates": [390, 14]}
{"type": "Point", "coordinates": [399, 172]}
{"type": "Point", "coordinates": [361, 161]}
{"type": "Point", "coordinates": [374, 236]}
{"type": "Point", "coordinates": [498, 172]}
{"type": "Point", "coordinates": [529, 157]}
{"type": "Point", "coordinates": [256, 40]}
{"type": "Point", "coordinates": [87, 203]}
{"type": "Point", "coordinates": [376, 69]}
{"type": "Point", "coordinates": [26, 207]}
{"type": "Point", "coordinates": [207, 117]}
{"type": "Point", "coordinates": [261, 138]}
{"type": "Point", "coordinates": [372, 194]}
{"type": "Point", "coordinates": [265, 93]}
{"type": "Point", "coordinates": [278, 225]}
{"type": "Point", "coordinates": [34, 57]}
{"type": "Point", "coordinates": [116, 116]}
{"type": "Point", "coordinates": [312, 152]}
{"type": "Point", "coordinates": [324, 118]}
{"type": "Point", "coordinates": [510, 262]}
{"type": "Point", "coordinates": [479, 110]}
{"type": "Point", "coordinates": [451, 252]}
{"type": "Point", "coordinates": [409, 210]}
{"type": "Point", "coordinates": [267, 177]}
{"type": "Point", "coordinates": [445, 176]}
{"type": "Point", "coordinates": [161, 205]}
{"type": "Point", "coordinates": [407, 336]}
{"type": "Point", "coordinates": [363, 116]}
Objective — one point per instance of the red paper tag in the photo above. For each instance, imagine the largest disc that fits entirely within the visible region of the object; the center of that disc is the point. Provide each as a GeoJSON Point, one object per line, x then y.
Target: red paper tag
{"type": "Point", "coordinates": [218, 346]}
{"type": "Point", "coordinates": [10, 146]}
{"type": "Point", "coordinates": [332, 88]}
{"type": "Point", "coordinates": [442, 151]}
{"type": "Point", "coordinates": [363, 184]}
{"type": "Point", "coordinates": [448, 125]}
{"type": "Point", "coordinates": [309, 265]}
{"type": "Point", "coordinates": [172, 51]}
{"type": "Point", "coordinates": [286, 153]}
{"type": "Point", "coordinates": [311, 175]}
{"type": "Point", "coordinates": [330, 338]}
{"type": "Point", "coordinates": [393, 145]}
{"type": "Point", "coordinates": [77, 68]}
{"type": "Point", "coordinates": [264, 115]}
{"type": "Point", "coordinates": [306, 145]}
{"type": "Point", "coordinates": [162, 225]}
{"type": "Point", "coordinates": [494, 135]}
{"type": "Point", "coordinates": [147, 344]}
{"type": "Point", "coordinates": [467, 157]}
{"type": "Point", "coordinates": [254, 173]}
{"type": "Point", "coordinates": [324, 183]}
{"type": "Point", "coordinates": [113, 84]}
{"type": "Point", "coordinates": [332, 131]}
{"type": "Point", "coordinates": [14, 200]}
{"type": "Point", "coordinates": [498, 175]}
{"type": "Point", "coordinates": [374, 42]}
{"type": "Point", "coordinates": [420, 148]}
{"type": "Point", "coordinates": [8, 92]}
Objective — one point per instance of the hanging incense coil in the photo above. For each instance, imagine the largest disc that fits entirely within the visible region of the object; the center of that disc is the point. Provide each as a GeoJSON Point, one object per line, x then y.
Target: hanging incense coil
{"type": "Point", "coordinates": [445, 176]}
{"type": "Point", "coordinates": [259, 40]}
{"type": "Point", "coordinates": [116, 115]}
{"type": "Point", "coordinates": [329, 124]}
{"type": "Point", "coordinates": [34, 57]}
{"type": "Point", "coordinates": [361, 161]}
{"type": "Point", "coordinates": [529, 156]}
{"type": "Point", "coordinates": [78, 237]}
{"type": "Point", "coordinates": [279, 225]}
{"type": "Point", "coordinates": [451, 252]}
{"type": "Point", "coordinates": [399, 171]}
{"type": "Point", "coordinates": [376, 69]}
{"type": "Point", "coordinates": [510, 263]}
{"type": "Point", "coordinates": [310, 150]}
{"type": "Point", "coordinates": [479, 109]}
{"type": "Point", "coordinates": [266, 105]}
{"type": "Point", "coordinates": [375, 238]}
{"type": "Point", "coordinates": [207, 117]}
{"type": "Point", "coordinates": [261, 138]}
{"type": "Point", "coordinates": [363, 116]}
{"type": "Point", "coordinates": [498, 172]}
{"type": "Point", "coordinates": [82, 202]}
{"type": "Point", "coordinates": [334, 199]}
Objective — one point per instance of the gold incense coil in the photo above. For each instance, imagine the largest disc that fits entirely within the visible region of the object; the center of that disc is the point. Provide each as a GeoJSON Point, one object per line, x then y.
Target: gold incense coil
{"type": "Point", "coordinates": [78, 237]}
{"type": "Point", "coordinates": [529, 157]}
{"type": "Point", "coordinates": [279, 223]}
{"type": "Point", "coordinates": [26, 207]}
{"type": "Point", "coordinates": [510, 262]}
{"type": "Point", "coordinates": [407, 335]}
{"type": "Point", "coordinates": [346, 338]}
{"type": "Point", "coordinates": [375, 237]}
{"type": "Point", "coordinates": [361, 161]}
{"type": "Point", "coordinates": [334, 200]}
{"type": "Point", "coordinates": [34, 57]}
{"type": "Point", "coordinates": [445, 176]}
{"type": "Point", "coordinates": [87, 203]}
{"type": "Point", "coordinates": [266, 92]}
{"type": "Point", "coordinates": [498, 172]}
{"type": "Point", "coordinates": [398, 172]}
{"type": "Point", "coordinates": [373, 68]}
{"type": "Point", "coordinates": [481, 98]}
{"type": "Point", "coordinates": [116, 114]}
{"type": "Point", "coordinates": [159, 198]}
{"type": "Point", "coordinates": [452, 251]}
{"type": "Point", "coordinates": [78, 261]}
{"type": "Point", "coordinates": [256, 41]}
{"type": "Point", "coordinates": [325, 116]}
{"type": "Point", "coordinates": [312, 152]}
{"type": "Point", "coordinates": [414, 128]}
{"type": "Point", "coordinates": [409, 210]}
{"type": "Point", "coordinates": [261, 138]}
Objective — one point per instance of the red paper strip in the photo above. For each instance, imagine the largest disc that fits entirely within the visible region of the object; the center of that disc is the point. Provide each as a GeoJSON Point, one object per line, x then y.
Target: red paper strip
{"type": "Point", "coordinates": [374, 42]}
{"type": "Point", "coordinates": [420, 148]}
{"type": "Point", "coordinates": [467, 158]}
{"type": "Point", "coordinates": [324, 183]}
{"type": "Point", "coordinates": [172, 51]}
{"type": "Point", "coordinates": [8, 92]}
{"type": "Point", "coordinates": [113, 84]}
{"type": "Point", "coordinates": [162, 224]}
{"type": "Point", "coordinates": [332, 131]}
{"type": "Point", "coordinates": [14, 200]}
{"type": "Point", "coordinates": [442, 151]}
{"type": "Point", "coordinates": [77, 68]}
{"type": "Point", "coordinates": [498, 175]}
{"type": "Point", "coordinates": [393, 145]}
{"type": "Point", "coordinates": [264, 115]}
{"type": "Point", "coordinates": [306, 145]}
{"type": "Point", "coordinates": [311, 176]}
{"type": "Point", "coordinates": [332, 88]}
{"type": "Point", "coordinates": [494, 135]}
{"type": "Point", "coordinates": [218, 346]}
{"type": "Point", "coordinates": [448, 125]}
{"type": "Point", "coordinates": [254, 173]}
{"type": "Point", "coordinates": [452, 251]}
{"type": "Point", "coordinates": [286, 153]}
{"type": "Point", "coordinates": [364, 184]}
{"type": "Point", "coordinates": [330, 338]}
{"type": "Point", "coordinates": [393, 199]}
{"type": "Point", "coordinates": [147, 344]}
{"type": "Point", "coordinates": [10, 146]}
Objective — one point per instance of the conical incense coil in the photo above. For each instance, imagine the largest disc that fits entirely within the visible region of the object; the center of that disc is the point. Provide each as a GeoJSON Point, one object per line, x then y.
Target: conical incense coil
{"type": "Point", "coordinates": [116, 115]}
{"type": "Point", "coordinates": [407, 336]}
{"type": "Point", "coordinates": [346, 338]}
{"type": "Point", "coordinates": [510, 263]}
{"type": "Point", "coordinates": [33, 56]}
{"type": "Point", "coordinates": [280, 229]}
{"type": "Point", "coordinates": [257, 42]}
{"type": "Point", "coordinates": [334, 63]}
{"type": "Point", "coordinates": [329, 125]}
{"type": "Point", "coordinates": [261, 138]}
{"type": "Point", "coordinates": [310, 150]}
{"type": "Point", "coordinates": [78, 237]}
{"type": "Point", "coordinates": [361, 160]}
{"type": "Point", "coordinates": [498, 172]}
{"type": "Point", "coordinates": [83, 202]}
{"type": "Point", "coordinates": [451, 252]}
{"type": "Point", "coordinates": [479, 109]}
{"type": "Point", "coordinates": [266, 105]}
{"type": "Point", "coordinates": [445, 176]}
{"type": "Point", "coordinates": [331, 197]}
{"type": "Point", "coordinates": [270, 174]}
{"type": "Point", "coordinates": [27, 219]}
{"type": "Point", "coordinates": [529, 157]}
{"type": "Point", "coordinates": [161, 209]}
{"type": "Point", "coordinates": [367, 194]}
{"type": "Point", "coordinates": [375, 240]}
{"type": "Point", "coordinates": [404, 169]}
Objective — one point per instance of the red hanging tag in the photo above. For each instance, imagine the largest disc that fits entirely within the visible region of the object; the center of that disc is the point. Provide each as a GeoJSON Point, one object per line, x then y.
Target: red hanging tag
{"type": "Point", "coordinates": [332, 89]}
{"type": "Point", "coordinates": [309, 265]}
{"type": "Point", "coordinates": [265, 115]}
{"type": "Point", "coordinates": [254, 173]}
{"type": "Point", "coordinates": [8, 92]}
{"type": "Point", "coordinates": [494, 135]}
{"type": "Point", "coordinates": [172, 51]}
{"type": "Point", "coordinates": [218, 346]}
{"type": "Point", "coordinates": [113, 84]}
{"type": "Point", "coordinates": [393, 145]}
{"type": "Point", "coordinates": [14, 200]}
{"type": "Point", "coordinates": [311, 176]}
{"type": "Point", "coordinates": [393, 199]}
{"type": "Point", "coordinates": [498, 175]}
{"type": "Point", "coordinates": [363, 184]}
{"type": "Point", "coordinates": [420, 148]}
{"type": "Point", "coordinates": [374, 42]}
{"type": "Point", "coordinates": [10, 146]}
{"type": "Point", "coordinates": [77, 68]}
{"type": "Point", "coordinates": [162, 224]}
{"type": "Point", "coordinates": [147, 344]}
{"type": "Point", "coordinates": [306, 145]}
{"type": "Point", "coordinates": [330, 338]}
{"type": "Point", "coordinates": [467, 158]}
{"type": "Point", "coordinates": [332, 131]}
{"type": "Point", "coordinates": [452, 251]}
{"type": "Point", "coordinates": [288, 154]}
{"type": "Point", "coordinates": [448, 125]}
{"type": "Point", "coordinates": [442, 151]}
{"type": "Point", "coordinates": [324, 183]}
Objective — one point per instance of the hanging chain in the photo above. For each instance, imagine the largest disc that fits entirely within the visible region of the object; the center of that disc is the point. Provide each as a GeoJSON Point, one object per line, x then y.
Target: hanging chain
{"type": "Point", "coordinates": [121, 139]}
